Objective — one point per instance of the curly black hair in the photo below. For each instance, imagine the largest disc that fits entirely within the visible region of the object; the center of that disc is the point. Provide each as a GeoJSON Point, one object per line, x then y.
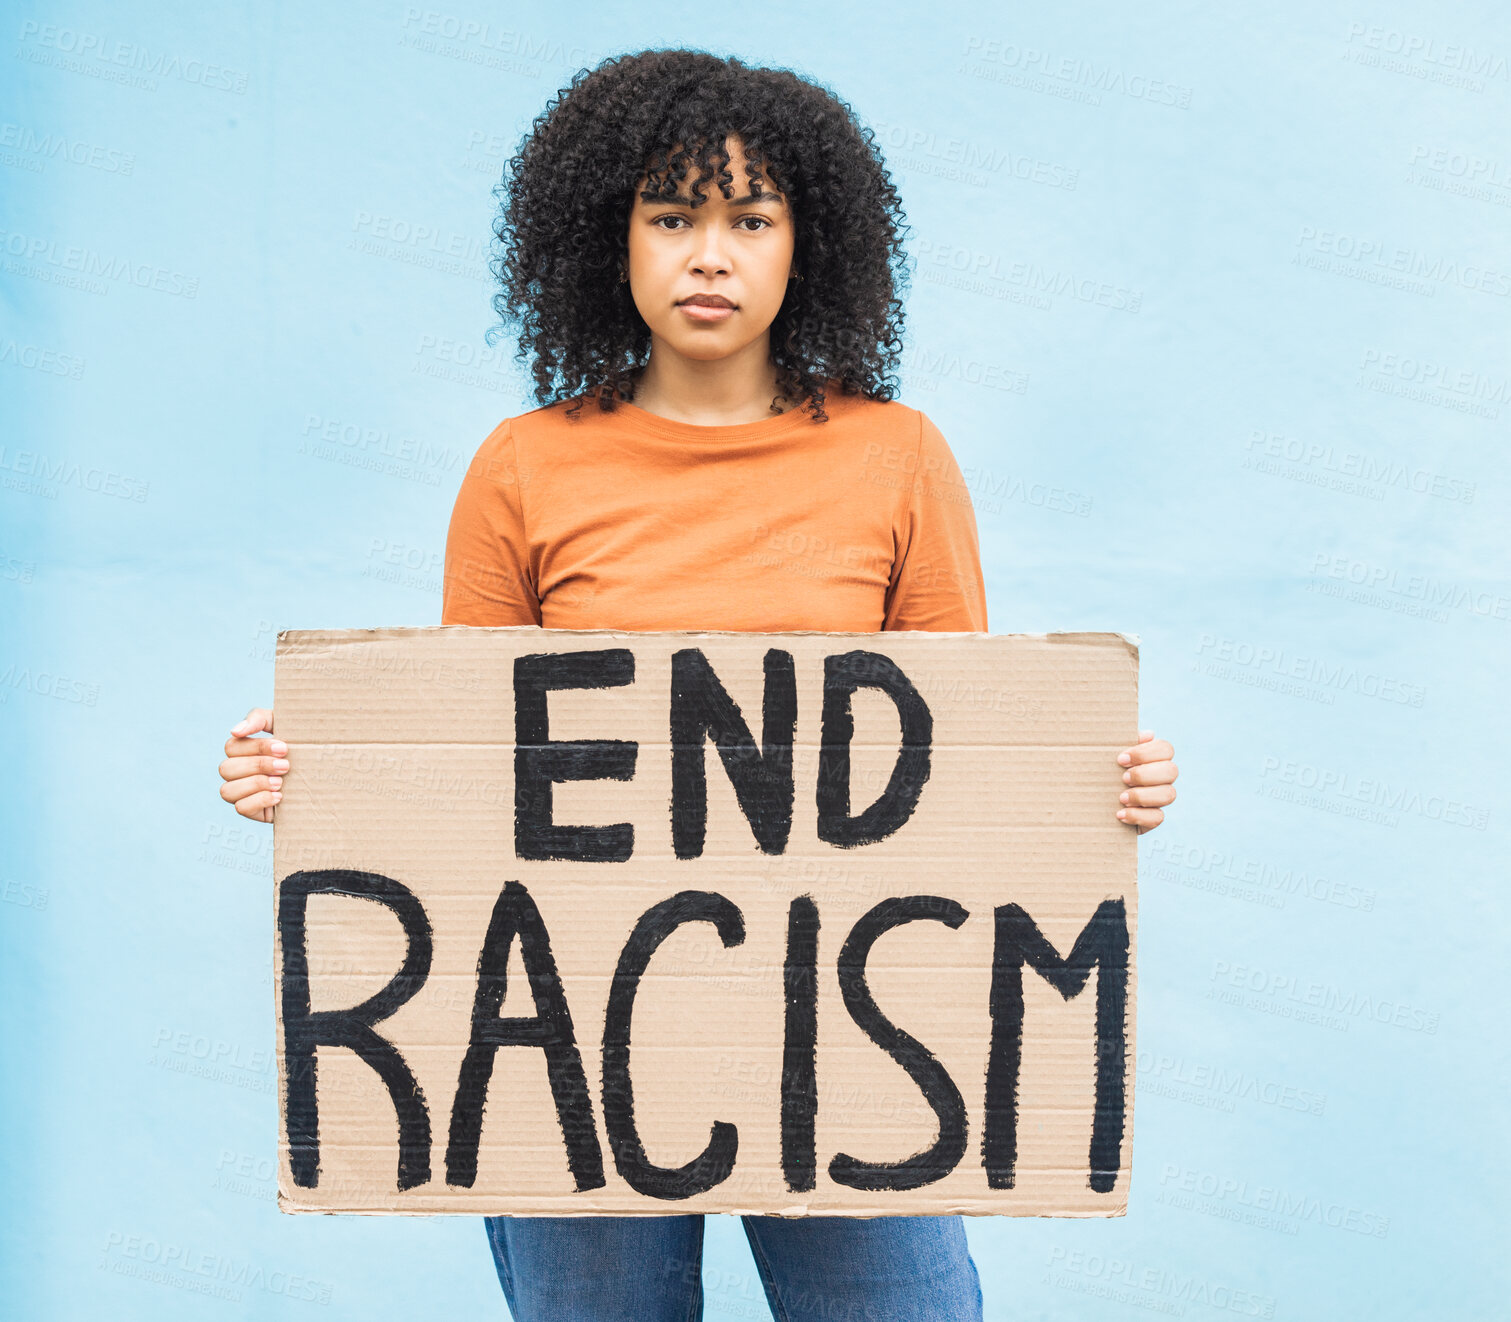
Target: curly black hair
{"type": "Point", "coordinates": [567, 192]}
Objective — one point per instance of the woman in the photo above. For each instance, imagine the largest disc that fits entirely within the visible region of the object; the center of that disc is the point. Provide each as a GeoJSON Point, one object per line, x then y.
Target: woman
{"type": "Point", "coordinates": [704, 261]}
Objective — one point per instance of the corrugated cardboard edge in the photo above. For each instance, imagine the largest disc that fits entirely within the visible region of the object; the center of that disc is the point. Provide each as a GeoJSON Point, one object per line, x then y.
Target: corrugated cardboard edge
{"type": "Point", "coordinates": [295, 638]}
{"type": "Point", "coordinates": [797, 1210]}
{"type": "Point", "coordinates": [409, 630]}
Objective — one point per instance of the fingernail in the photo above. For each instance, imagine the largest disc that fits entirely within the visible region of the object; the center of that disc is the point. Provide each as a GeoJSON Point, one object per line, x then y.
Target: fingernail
{"type": "Point", "coordinates": [239, 728]}
{"type": "Point", "coordinates": [280, 764]}
{"type": "Point", "coordinates": [275, 781]}
{"type": "Point", "coordinates": [278, 746]}
{"type": "Point", "coordinates": [1127, 777]}
{"type": "Point", "coordinates": [1122, 816]}
{"type": "Point", "coordinates": [1124, 759]}
{"type": "Point", "coordinates": [276, 796]}
{"type": "Point", "coordinates": [1123, 797]}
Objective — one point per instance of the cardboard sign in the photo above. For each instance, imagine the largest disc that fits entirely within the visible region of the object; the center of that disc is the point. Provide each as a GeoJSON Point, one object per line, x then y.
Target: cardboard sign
{"type": "Point", "coordinates": [580, 921]}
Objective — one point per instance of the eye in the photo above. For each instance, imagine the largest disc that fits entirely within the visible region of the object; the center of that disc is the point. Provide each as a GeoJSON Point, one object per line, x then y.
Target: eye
{"type": "Point", "coordinates": [668, 216]}
{"type": "Point", "coordinates": [762, 219]}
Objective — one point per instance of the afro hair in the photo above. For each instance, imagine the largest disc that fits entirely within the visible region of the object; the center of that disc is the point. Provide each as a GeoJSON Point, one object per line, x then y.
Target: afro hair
{"type": "Point", "coordinates": [566, 196]}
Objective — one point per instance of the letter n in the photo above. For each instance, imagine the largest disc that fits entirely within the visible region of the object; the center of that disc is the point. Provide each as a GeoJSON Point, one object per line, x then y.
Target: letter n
{"type": "Point", "coordinates": [762, 777]}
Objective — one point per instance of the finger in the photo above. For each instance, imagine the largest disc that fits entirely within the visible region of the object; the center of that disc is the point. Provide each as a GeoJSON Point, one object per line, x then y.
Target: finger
{"type": "Point", "coordinates": [252, 747]}
{"type": "Point", "coordinates": [1159, 796]}
{"type": "Point", "coordinates": [259, 718]}
{"type": "Point", "coordinates": [259, 806]}
{"type": "Point", "coordinates": [1150, 750]}
{"type": "Point", "coordinates": [1146, 819]}
{"type": "Point", "coordinates": [1156, 773]}
{"type": "Point", "coordinates": [234, 791]}
{"type": "Point", "coordinates": [1126, 756]}
{"type": "Point", "coordinates": [234, 768]}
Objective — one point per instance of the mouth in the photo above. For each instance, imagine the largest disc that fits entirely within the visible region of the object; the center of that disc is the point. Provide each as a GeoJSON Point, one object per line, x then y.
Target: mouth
{"type": "Point", "coordinates": [707, 308]}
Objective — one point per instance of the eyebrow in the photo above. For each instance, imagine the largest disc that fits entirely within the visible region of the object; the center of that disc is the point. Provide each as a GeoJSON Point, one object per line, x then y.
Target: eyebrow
{"type": "Point", "coordinates": [747, 199]}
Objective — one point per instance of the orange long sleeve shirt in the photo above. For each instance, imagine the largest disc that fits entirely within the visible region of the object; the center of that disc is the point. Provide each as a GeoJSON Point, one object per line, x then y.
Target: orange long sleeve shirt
{"type": "Point", "coordinates": [637, 522]}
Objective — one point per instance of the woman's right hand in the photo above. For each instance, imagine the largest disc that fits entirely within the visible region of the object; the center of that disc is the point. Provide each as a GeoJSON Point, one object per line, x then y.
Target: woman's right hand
{"type": "Point", "coordinates": [253, 768]}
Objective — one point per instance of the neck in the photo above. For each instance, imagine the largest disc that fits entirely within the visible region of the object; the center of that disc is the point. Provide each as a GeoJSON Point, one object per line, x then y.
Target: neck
{"type": "Point", "coordinates": [736, 389]}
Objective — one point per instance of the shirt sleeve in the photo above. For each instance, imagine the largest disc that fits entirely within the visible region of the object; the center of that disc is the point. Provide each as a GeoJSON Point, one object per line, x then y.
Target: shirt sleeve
{"type": "Point", "coordinates": [937, 582]}
{"type": "Point", "coordinates": [487, 579]}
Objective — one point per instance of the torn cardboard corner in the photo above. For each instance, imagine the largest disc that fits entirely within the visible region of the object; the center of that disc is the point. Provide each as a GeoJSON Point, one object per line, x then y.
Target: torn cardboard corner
{"type": "Point", "coordinates": [579, 921]}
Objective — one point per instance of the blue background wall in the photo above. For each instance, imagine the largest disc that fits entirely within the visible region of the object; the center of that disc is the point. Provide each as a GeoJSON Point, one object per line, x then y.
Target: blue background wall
{"type": "Point", "coordinates": [1263, 424]}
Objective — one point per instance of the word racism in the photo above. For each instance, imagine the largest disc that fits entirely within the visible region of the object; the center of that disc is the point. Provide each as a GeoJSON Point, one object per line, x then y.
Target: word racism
{"type": "Point", "coordinates": [762, 779]}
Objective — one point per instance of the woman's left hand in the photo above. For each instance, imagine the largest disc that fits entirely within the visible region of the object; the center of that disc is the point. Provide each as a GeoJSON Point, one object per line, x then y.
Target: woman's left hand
{"type": "Point", "coordinates": [1150, 779]}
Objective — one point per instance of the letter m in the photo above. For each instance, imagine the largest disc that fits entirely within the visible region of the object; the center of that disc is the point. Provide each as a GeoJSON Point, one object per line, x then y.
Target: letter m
{"type": "Point", "coordinates": [1103, 942]}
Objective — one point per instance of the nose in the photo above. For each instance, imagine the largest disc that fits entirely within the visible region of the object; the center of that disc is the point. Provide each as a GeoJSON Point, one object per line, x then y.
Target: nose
{"type": "Point", "coordinates": [708, 250]}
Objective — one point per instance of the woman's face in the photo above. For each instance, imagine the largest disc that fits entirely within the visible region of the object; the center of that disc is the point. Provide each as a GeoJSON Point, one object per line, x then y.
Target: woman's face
{"type": "Point", "coordinates": [738, 250]}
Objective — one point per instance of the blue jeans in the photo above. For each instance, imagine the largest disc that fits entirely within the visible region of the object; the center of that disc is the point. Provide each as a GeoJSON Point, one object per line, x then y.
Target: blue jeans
{"type": "Point", "coordinates": [812, 1269]}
